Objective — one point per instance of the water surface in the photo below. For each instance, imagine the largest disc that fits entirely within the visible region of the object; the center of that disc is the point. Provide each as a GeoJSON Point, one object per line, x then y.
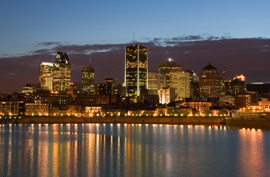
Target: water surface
{"type": "Point", "coordinates": [132, 151]}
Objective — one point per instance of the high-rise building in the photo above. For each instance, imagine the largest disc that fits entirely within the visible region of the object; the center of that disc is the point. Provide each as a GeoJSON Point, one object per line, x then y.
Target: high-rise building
{"type": "Point", "coordinates": [180, 81]}
{"type": "Point", "coordinates": [165, 70]}
{"type": "Point", "coordinates": [46, 76]}
{"type": "Point", "coordinates": [136, 71]}
{"type": "Point", "coordinates": [236, 86]}
{"type": "Point", "coordinates": [153, 82]}
{"type": "Point", "coordinates": [172, 76]}
{"type": "Point", "coordinates": [210, 83]}
{"type": "Point", "coordinates": [106, 88]}
{"type": "Point", "coordinates": [88, 79]}
{"type": "Point", "coordinates": [194, 84]}
{"type": "Point", "coordinates": [109, 86]}
{"type": "Point", "coordinates": [61, 72]}
{"type": "Point", "coordinates": [101, 89]}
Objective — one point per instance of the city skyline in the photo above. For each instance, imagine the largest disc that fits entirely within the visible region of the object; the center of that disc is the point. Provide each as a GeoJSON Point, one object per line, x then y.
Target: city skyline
{"type": "Point", "coordinates": [134, 88]}
{"type": "Point", "coordinates": [193, 54]}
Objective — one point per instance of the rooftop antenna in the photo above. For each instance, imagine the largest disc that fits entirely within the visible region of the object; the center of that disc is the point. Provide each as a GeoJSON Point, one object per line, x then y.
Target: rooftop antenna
{"type": "Point", "coordinates": [133, 37]}
{"type": "Point", "coordinates": [90, 59]}
{"type": "Point", "coordinates": [223, 73]}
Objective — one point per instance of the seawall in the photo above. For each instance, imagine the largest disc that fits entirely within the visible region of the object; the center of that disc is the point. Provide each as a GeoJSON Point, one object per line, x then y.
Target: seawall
{"type": "Point", "coordinates": [261, 123]}
{"type": "Point", "coordinates": [257, 123]}
{"type": "Point", "coordinates": [129, 120]}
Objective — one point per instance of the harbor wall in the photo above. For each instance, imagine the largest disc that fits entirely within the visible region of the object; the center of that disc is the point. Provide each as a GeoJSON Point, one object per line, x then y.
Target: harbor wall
{"type": "Point", "coordinates": [128, 120]}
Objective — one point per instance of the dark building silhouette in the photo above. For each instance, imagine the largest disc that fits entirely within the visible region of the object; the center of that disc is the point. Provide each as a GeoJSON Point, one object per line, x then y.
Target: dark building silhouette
{"type": "Point", "coordinates": [88, 79]}
{"type": "Point", "coordinates": [210, 83]}
{"type": "Point", "coordinates": [101, 89]}
{"type": "Point", "coordinates": [109, 86]}
{"type": "Point", "coordinates": [263, 89]}
{"type": "Point", "coordinates": [235, 86]}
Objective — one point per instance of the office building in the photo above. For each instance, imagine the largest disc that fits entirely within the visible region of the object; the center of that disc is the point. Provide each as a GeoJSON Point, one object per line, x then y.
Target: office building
{"type": "Point", "coordinates": [166, 95]}
{"type": "Point", "coordinates": [109, 86]}
{"type": "Point", "coordinates": [172, 76]}
{"type": "Point", "coordinates": [88, 80]}
{"type": "Point", "coordinates": [236, 86]}
{"type": "Point", "coordinates": [210, 83]}
{"type": "Point", "coordinates": [136, 71]}
{"type": "Point", "coordinates": [165, 70]}
{"type": "Point", "coordinates": [46, 76]}
{"type": "Point", "coordinates": [153, 83]}
{"type": "Point", "coordinates": [61, 72]}
{"type": "Point", "coordinates": [180, 81]}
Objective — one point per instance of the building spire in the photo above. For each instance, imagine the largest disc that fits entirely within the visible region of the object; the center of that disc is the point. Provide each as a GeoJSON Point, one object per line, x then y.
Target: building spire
{"type": "Point", "coordinates": [90, 59]}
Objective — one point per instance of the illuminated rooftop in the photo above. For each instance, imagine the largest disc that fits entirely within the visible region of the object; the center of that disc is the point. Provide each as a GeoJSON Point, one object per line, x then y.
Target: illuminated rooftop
{"type": "Point", "coordinates": [240, 77]}
{"type": "Point", "coordinates": [170, 63]}
{"type": "Point", "coordinates": [47, 64]}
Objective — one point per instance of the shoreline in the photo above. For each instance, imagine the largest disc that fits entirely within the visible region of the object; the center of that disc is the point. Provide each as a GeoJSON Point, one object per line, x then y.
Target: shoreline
{"type": "Point", "coordinates": [122, 120]}
{"type": "Point", "coordinates": [256, 123]}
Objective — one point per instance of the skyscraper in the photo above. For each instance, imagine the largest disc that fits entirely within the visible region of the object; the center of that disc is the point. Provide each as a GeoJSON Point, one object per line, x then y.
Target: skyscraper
{"type": "Point", "coordinates": [180, 81]}
{"type": "Point", "coordinates": [165, 69]}
{"type": "Point", "coordinates": [172, 76]}
{"type": "Point", "coordinates": [210, 83]}
{"type": "Point", "coordinates": [61, 72]}
{"type": "Point", "coordinates": [153, 82]}
{"type": "Point", "coordinates": [46, 76]}
{"type": "Point", "coordinates": [88, 79]}
{"type": "Point", "coordinates": [109, 86]}
{"type": "Point", "coordinates": [136, 71]}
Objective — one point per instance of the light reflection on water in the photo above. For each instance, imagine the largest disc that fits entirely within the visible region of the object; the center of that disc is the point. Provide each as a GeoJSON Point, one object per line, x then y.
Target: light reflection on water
{"type": "Point", "coordinates": [132, 150]}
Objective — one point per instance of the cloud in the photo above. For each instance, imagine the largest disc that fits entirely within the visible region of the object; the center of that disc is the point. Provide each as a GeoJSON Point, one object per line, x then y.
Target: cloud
{"type": "Point", "coordinates": [49, 43]}
{"type": "Point", "coordinates": [42, 51]}
{"type": "Point", "coordinates": [249, 56]}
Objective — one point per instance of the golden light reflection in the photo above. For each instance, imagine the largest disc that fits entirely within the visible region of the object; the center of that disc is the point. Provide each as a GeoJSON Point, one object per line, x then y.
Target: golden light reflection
{"type": "Point", "coordinates": [124, 150]}
{"type": "Point", "coordinates": [55, 154]}
{"type": "Point", "coordinates": [250, 152]}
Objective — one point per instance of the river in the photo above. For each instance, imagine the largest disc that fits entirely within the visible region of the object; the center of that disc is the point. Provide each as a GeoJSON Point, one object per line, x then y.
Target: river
{"type": "Point", "coordinates": [132, 150]}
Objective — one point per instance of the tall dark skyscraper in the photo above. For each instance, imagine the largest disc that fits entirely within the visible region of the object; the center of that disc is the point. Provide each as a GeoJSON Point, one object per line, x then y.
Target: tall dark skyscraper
{"type": "Point", "coordinates": [109, 85]}
{"type": "Point", "coordinates": [136, 70]}
{"type": "Point", "coordinates": [88, 79]}
{"type": "Point", "coordinates": [61, 72]}
{"type": "Point", "coordinates": [210, 83]}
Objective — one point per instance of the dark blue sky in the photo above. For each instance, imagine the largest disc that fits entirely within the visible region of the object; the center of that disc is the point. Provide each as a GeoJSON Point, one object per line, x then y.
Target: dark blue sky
{"type": "Point", "coordinates": [26, 23]}
{"type": "Point", "coordinates": [233, 34]}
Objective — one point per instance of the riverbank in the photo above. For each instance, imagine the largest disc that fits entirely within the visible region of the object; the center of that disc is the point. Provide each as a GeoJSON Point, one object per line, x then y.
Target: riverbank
{"type": "Point", "coordinates": [122, 120]}
{"type": "Point", "coordinates": [257, 123]}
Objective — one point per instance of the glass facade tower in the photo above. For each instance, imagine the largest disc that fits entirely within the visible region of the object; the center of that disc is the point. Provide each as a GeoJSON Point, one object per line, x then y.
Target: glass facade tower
{"type": "Point", "coordinates": [136, 71]}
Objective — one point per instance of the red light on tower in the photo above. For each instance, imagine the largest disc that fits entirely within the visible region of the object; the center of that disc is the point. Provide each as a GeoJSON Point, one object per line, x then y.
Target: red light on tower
{"type": "Point", "coordinates": [223, 73]}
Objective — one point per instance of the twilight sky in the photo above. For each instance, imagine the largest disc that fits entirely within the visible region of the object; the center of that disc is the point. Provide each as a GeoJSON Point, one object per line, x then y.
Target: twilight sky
{"type": "Point", "coordinates": [228, 33]}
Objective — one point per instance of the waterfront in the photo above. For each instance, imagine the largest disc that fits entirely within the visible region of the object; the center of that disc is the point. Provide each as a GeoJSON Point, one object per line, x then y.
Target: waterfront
{"type": "Point", "coordinates": [132, 150]}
